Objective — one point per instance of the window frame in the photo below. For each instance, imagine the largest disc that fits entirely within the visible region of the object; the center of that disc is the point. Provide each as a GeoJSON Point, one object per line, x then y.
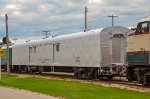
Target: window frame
{"type": "Point", "coordinates": [34, 49]}
{"type": "Point", "coordinates": [57, 47]}
{"type": "Point", "coordinates": [140, 28]}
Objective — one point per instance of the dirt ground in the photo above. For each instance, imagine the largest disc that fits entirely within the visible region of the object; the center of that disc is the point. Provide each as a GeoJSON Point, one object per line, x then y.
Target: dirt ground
{"type": "Point", "coordinates": [8, 93]}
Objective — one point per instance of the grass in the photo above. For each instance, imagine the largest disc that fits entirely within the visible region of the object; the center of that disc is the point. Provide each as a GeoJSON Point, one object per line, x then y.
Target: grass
{"type": "Point", "coordinates": [70, 89]}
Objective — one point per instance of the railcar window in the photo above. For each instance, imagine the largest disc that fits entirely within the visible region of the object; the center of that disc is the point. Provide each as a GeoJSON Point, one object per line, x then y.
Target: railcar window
{"type": "Point", "coordinates": [144, 27]}
{"type": "Point", "coordinates": [138, 30]}
{"type": "Point", "coordinates": [57, 47]}
{"type": "Point", "coordinates": [34, 49]}
{"type": "Point", "coordinates": [30, 49]}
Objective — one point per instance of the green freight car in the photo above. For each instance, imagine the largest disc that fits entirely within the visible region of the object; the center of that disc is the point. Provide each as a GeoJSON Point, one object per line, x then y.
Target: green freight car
{"type": "Point", "coordinates": [4, 59]}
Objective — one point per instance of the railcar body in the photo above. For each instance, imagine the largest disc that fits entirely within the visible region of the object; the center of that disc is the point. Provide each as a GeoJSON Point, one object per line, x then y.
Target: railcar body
{"type": "Point", "coordinates": [138, 53]}
{"type": "Point", "coordinates": [4, 58]}
{"type": "Point", "coordinates": [88, 54]}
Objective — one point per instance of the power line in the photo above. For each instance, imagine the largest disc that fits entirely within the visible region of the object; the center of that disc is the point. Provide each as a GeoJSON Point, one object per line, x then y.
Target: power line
{"type": "Point", "coordinates": [135, 11]}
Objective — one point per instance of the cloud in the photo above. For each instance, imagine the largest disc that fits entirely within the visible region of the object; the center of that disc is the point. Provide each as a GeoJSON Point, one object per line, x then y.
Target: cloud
{"type": "Point", "coordinates": [28, 18]}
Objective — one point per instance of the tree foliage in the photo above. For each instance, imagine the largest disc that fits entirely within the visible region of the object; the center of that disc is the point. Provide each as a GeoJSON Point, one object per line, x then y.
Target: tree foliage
{"type": "Point", "coordinates": [4, 40]}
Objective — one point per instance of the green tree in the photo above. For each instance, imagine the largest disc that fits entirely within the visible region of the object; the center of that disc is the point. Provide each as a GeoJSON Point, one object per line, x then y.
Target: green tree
{"type": "Point", "coordinates": [4, 40]}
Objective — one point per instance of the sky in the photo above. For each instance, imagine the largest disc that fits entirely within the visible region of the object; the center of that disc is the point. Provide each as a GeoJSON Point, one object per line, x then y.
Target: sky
{"type": "Point", "coordinates": [27, 19]}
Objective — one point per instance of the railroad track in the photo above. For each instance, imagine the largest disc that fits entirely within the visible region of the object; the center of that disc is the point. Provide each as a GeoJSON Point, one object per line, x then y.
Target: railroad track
{"type": "Point", "coordinates": [115, 82]}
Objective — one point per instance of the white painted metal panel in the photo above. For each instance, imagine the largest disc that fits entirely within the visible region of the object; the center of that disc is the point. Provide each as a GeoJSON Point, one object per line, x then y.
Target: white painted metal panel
{"type": "Point", "coordinates": [20, 55]}
{"type": "Point", "coordinates": [83, 49]}
{"type": "Point", "coordinates": [113, 42]}
{"type": "Point", "coordinates": [43, 55]}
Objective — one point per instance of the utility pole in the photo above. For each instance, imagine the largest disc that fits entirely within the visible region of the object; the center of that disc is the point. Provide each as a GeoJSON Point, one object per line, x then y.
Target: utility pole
{"type": "Point", "coordinates": [149, 45]}
{"type": "Point", "coordinates": [112, 16]}
{"type": "Point", "coordinates": [46, 33]}
{"type": "Point", "coordinates": [86, 10]}
{"type": "Point", "coordinates": [7, 43]}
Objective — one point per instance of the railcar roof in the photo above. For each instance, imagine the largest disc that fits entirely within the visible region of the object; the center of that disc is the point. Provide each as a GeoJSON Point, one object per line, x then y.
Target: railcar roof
{"type": "Point", "coordinates": [4, 47]}
{"type": "Point", "coordinates": [113, 29]}
{"type": "Point", "coordinates": [61, 37]}
{"type": "Point", "coordinates": [116, 30]}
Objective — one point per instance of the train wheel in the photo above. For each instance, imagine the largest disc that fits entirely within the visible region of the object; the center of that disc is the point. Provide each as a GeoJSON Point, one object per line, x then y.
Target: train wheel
{"type": "Point", "coordinates": [146, 79]}
{"type": "Point", "coordinates": [95, 74]}
{"type": "Point", "coordinates": [76, 74]}
{"type": "Point", "coordinates": [5, 68]}
{"type": "Point", "coordinates": [129, 74]}
{"type": "Point", "coordinates": [85, 73]}
{"type": "Point", "coordinates": [110, 77]}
